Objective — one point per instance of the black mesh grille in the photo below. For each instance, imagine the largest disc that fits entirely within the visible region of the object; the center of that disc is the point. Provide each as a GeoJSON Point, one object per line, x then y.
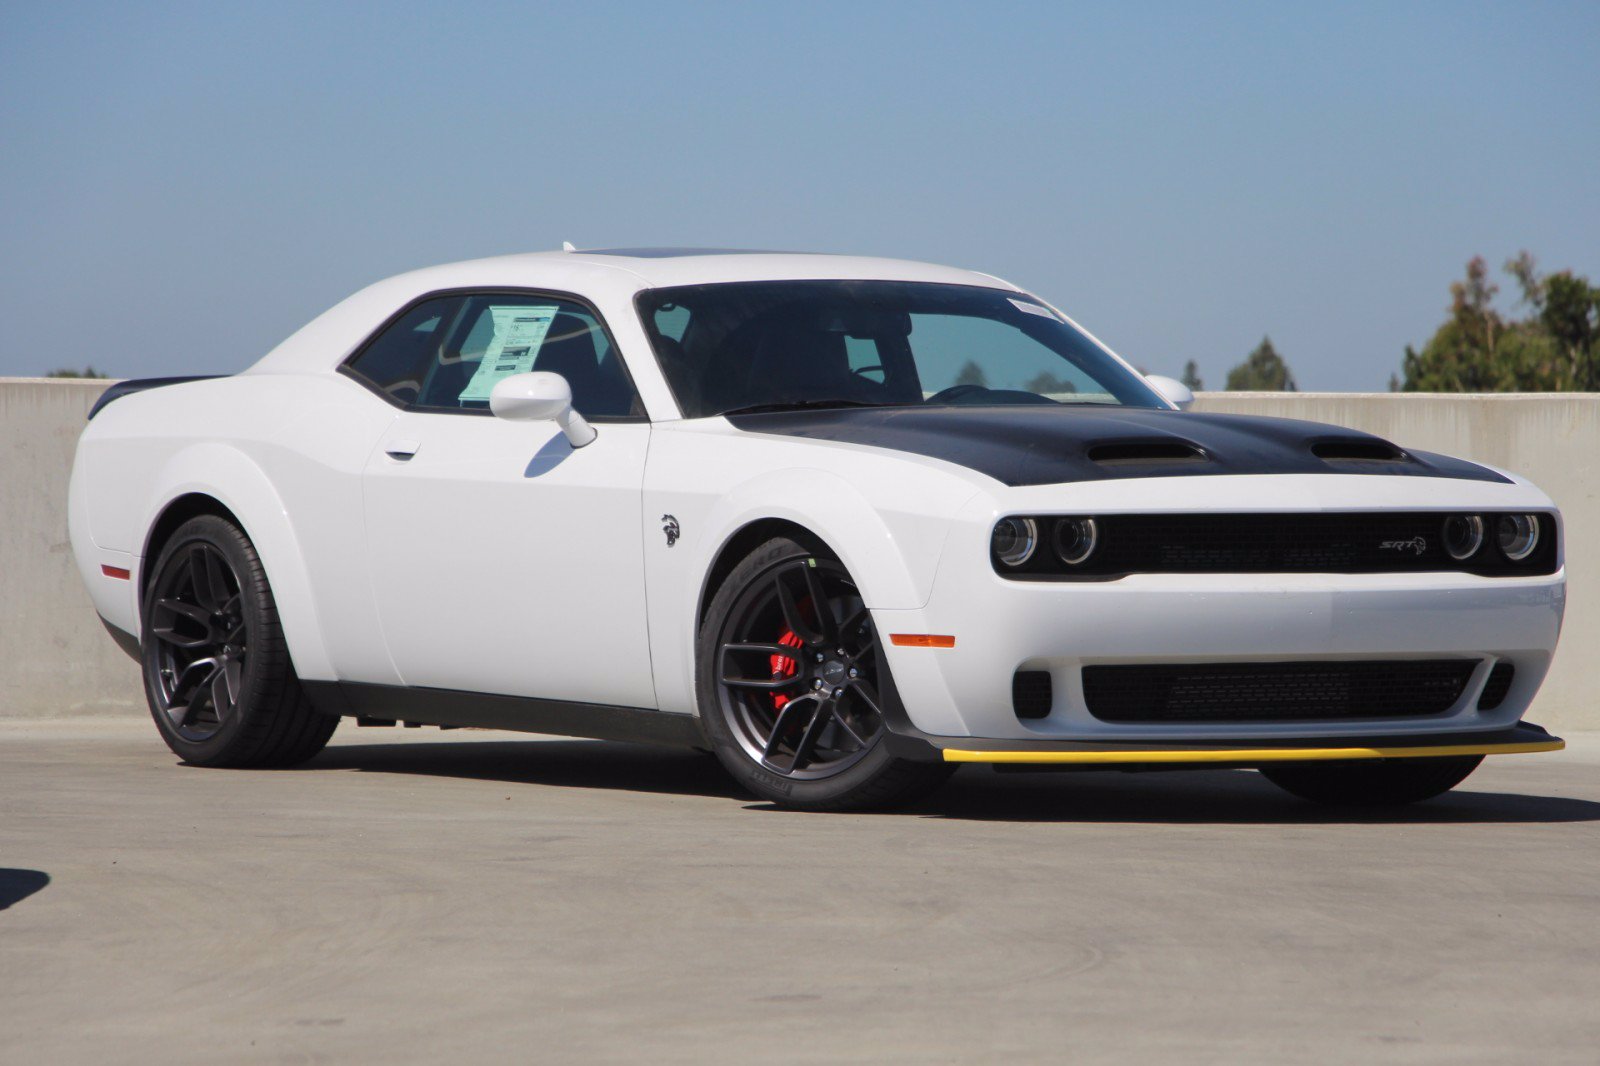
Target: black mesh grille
{"type": "Point", "coordinates": [1361, 543]}
{"type": "Point", "coordinates": [1495, 689]}
{"type": "Point", "coordinates": [1264, 692]}
{"type": "Point", "coordinates": [1031, 693]}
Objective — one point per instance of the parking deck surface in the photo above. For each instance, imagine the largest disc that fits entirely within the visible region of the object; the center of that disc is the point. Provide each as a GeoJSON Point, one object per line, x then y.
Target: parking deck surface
{"type": "Point", "coordinates": [422, 896]}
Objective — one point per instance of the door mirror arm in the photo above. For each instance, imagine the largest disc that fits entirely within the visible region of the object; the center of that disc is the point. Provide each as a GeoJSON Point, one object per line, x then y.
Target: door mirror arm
{"type": "Point", "coordinates": [540, 396]}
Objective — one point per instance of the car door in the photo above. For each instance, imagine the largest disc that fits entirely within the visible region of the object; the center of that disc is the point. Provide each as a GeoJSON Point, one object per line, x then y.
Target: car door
{"type": "Point", "coordinates": [502, 559]}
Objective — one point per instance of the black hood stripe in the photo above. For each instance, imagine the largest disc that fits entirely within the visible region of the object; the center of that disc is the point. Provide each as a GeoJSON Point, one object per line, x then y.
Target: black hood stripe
{"type": "Point", "coordinates": [1049, 445]}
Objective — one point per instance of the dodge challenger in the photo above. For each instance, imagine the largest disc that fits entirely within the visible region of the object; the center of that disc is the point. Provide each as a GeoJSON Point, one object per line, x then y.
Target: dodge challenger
{"type": "Point", "coordinates": [848, 523]}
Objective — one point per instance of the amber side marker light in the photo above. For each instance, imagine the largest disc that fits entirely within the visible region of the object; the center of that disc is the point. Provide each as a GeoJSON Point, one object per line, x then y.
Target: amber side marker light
{"type": "Point", "coordinates": [922, 640]}
{"type": "Point", "coordinates": [115, 571]}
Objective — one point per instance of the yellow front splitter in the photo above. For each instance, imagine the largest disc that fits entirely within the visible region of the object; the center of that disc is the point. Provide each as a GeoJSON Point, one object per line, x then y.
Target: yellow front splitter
{"type": "Point", "coordinates": [1247, 756]}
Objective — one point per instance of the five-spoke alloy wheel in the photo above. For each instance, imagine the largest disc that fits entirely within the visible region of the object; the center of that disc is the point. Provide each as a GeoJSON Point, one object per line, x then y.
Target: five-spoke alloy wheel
{"type": "Point", "coordinates": [792, 685]}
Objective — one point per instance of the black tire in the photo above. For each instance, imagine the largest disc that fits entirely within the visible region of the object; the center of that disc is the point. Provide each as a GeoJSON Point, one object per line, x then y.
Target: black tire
{"type": "Point", "coordinates": [857, 775]}
{"type": "Point", "coordinates": [1373, 782]}
{"type": "Point", "coordinates": [217, 674]}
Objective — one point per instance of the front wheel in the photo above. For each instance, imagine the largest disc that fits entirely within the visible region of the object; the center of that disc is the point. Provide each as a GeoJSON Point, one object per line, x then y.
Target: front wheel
{"type": "Point", "coordinates": [791, 685]}
{"type": "Point", "coordinates": [1373, 782]}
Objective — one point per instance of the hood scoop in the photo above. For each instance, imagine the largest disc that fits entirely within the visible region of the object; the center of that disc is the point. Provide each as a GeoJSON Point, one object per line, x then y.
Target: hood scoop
{"type": "Point", "coordinates": [1357, 450]}
{"type": "Point", "coordinates": [1145, 452]}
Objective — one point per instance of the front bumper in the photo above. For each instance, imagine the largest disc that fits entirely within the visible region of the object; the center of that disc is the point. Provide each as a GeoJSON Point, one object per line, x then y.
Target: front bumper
{"type": "Point", "coordinates": [1000, 626]}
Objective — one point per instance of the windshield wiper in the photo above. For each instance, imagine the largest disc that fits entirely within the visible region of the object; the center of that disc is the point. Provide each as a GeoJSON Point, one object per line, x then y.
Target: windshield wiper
{"type": "Point", "coordinates": [807, 405]}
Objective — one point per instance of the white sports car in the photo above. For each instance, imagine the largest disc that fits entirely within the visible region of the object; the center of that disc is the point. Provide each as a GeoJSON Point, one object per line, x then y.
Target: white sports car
{"type": "Point", "coordinates": [849, 523]}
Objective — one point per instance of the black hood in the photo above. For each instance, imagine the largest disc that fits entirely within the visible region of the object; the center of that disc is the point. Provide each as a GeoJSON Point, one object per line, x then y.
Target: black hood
{"type": "Point", "coordinates": [1048, 445]}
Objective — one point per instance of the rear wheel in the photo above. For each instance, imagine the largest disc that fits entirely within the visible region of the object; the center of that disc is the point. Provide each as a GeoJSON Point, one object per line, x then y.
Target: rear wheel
{"type": "Point", "coordinates": [791, 686]}
{"type": "Point", "coordinates": [216, 667]}
{"type": "Point", "coordinates": [1373, 782]}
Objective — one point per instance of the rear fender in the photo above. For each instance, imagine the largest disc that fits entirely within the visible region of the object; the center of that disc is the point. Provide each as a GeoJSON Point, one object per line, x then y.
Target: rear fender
{"type": "Point", "coordinates": [233, 479]}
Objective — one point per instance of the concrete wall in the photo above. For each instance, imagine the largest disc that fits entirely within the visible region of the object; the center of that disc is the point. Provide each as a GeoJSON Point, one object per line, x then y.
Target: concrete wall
{"type": "Point", "coordinates": [56, 660]}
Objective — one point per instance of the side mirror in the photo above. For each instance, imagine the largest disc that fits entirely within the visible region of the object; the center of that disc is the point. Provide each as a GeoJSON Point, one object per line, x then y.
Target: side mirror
{"type": "Point", "coordinates": [540, 396]}
{"type": "Point", "coordinates": [1172, 390]}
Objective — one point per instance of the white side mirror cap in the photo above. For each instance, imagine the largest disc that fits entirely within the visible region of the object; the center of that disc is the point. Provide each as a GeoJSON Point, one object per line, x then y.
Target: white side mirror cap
{"type": "Point", "coordinates": [1172, 390]}
{"type": "Point", "coordinates": [540, 396]}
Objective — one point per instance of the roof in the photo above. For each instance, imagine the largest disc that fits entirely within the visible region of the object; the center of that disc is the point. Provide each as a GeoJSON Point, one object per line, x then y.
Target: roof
{"type": "Point", "coordinates": [607, 276]}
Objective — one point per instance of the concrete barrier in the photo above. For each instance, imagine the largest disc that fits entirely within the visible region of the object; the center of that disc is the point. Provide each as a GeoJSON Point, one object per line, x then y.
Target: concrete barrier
{"type": "Point", "coordinates": [56, 660]}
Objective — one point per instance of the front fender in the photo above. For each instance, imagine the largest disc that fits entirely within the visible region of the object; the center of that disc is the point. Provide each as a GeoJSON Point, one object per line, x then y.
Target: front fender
{"type": "Point", "coordinates": [891, 543]}
{"type": "Point", "coordinates": [892, 557]}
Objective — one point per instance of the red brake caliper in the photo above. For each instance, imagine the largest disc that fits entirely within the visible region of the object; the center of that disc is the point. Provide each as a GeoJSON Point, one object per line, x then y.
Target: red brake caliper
{"type": "Point", "coordinates": [783, 666]}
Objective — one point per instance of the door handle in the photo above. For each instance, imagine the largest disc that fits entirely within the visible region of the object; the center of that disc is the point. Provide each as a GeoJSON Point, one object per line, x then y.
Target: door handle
{"type": "Point", "coordinates": [400, 450]}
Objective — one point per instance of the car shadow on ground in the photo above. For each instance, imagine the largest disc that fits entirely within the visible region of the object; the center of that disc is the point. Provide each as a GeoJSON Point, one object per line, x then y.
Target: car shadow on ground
{"type": "Point", "coordinates": [976, 793]}
{"type": "Point", "coordinates": [17, 885]}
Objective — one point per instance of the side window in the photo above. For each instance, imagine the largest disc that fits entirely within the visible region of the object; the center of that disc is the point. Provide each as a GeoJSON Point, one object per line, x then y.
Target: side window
{"type": "Point", "coordinates": [397, 360]}
{"type": "Point", "coordinates": [447, 354]}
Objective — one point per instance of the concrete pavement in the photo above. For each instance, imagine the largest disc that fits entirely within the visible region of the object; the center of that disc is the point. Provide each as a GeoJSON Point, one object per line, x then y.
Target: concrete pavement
{"type": "Point", "coordinates": [422, 896]}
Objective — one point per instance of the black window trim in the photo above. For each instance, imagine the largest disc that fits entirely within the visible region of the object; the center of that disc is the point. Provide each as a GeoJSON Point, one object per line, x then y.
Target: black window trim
{"type": "Point", "coordinates": [347, 365]}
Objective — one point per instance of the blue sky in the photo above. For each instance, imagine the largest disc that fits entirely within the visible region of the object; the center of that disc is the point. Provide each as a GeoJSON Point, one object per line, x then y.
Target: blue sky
{"type": "Point", "coordinates": [182, 186]}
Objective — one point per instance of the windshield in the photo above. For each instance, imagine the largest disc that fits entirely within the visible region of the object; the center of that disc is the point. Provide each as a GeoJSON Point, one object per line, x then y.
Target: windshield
{"type": "Point", "coordinates": [771, 345]}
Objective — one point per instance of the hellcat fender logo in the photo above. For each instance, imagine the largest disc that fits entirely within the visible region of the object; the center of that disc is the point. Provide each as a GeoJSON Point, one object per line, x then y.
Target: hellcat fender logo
{"type": "Point", "coordinates": [669, 526]}
{"type": "Point", "coordinates": [1415, 544]}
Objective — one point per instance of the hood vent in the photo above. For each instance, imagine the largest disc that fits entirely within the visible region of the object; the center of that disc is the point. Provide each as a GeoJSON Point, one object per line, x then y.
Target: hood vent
{"type": "Point", "coordinates": [1355, 450]}
{"type": "Point", "coordinates": [1142, 452]}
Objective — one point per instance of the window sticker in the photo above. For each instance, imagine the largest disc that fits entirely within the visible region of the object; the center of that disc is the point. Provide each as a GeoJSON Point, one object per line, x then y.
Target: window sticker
{"type": "Point", "coordinates": [1032, 308]}
{"type": "Point", "coordinates": [519, 333]}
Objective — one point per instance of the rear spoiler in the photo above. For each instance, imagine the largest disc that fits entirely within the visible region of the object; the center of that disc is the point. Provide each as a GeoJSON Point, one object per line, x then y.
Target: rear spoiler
{"type": "Point", "coordinates": [133, 385]}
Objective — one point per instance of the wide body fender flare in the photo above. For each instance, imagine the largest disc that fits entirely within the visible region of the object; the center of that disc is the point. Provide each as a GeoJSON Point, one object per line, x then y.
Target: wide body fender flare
{"type": "Point", "coordinates": [234, 480]}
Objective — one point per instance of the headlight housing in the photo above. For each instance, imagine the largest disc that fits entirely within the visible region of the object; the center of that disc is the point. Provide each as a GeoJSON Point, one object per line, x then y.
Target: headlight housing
{"type": "Point", "coordinates": [1014, 540]}
{"type": "Point", "coordinates": [1075, 539]}
{"type": "Point", "coordinates": [1517, 535]}
{"type": "Point", "coordinates": [1463, 535]}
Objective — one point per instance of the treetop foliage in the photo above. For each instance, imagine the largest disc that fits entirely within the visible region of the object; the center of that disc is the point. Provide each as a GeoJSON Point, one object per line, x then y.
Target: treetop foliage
{"type": "Point", "coordinates": [1556, 348]}
{"type": "Point", "coordinates": [1263, 370]}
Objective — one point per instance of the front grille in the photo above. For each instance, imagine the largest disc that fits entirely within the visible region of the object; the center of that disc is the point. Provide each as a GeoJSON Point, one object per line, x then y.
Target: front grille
{"type": "Point", "coordinates": [1031, 693]}
{"type": "Point", "coordinates": [1269, 692]}
{"type": "Point", "coordinates": [1360, 543]}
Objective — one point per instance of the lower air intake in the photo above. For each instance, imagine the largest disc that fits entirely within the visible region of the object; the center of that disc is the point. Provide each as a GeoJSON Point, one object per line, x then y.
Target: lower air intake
{"type": "Point", "coordinates": [1269, 692]}
{"type": "Point", "coordinates": [1498, 685]}
{"type": "Point", "coordinates": [1031, 693]}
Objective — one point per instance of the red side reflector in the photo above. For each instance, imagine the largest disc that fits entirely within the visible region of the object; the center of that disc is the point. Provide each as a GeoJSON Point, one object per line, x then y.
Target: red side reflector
{"type": "Point", "coordinates": [922, 640]}
{"type": "Point", "coordinates": [115, 571]}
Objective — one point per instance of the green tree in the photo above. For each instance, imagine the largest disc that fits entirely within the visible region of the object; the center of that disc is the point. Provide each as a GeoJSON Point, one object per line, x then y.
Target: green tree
{"type": "Point", "coordinates": [972, 374]}
{"type": "Point", "coordinates": [1555, 349]}
{"type": "Point", "coordinates": [1191, 377]}
{"type": "Point", "coordinates": [86, 372]}
{"type": "Point", "coordinates": [1263, 370]}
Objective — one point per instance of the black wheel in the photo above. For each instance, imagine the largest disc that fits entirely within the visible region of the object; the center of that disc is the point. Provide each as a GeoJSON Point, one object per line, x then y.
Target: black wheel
{"type": "Point", "coordinates": [216, 668]}
{"type": "Point", "coordinates": [791, 685]}
{"type": "Point", "coordinates": [1373, 782]}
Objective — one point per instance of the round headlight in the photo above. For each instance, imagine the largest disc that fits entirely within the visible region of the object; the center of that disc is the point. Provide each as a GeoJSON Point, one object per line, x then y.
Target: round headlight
{"type": "Point", "coordinates": [1014, 540]}
{"type": "Point", "coordinates": [1463, 535]}
{"type": "Point", "coordinates": [1517, 535]}
{"type": "Point", "coordinates": [1076, 539]}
